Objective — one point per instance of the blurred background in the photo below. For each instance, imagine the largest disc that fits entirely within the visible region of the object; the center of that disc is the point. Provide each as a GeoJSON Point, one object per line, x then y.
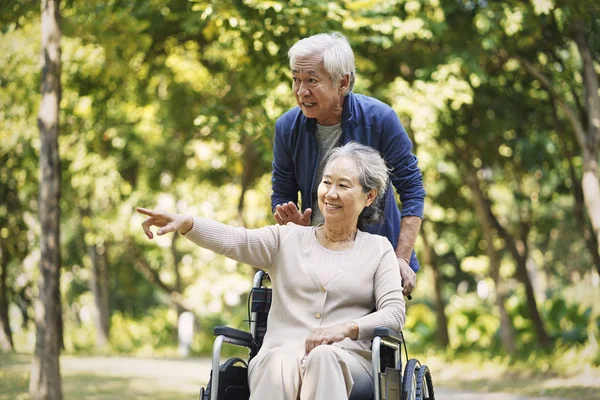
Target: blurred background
{"type": "Point", "coordinates": [171, 104]}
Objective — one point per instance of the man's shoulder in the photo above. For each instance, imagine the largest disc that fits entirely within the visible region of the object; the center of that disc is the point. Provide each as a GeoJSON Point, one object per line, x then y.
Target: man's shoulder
{"type": "Point", "coordinates": [368, 105]}
{"type": "Point", "coordinates": [289, 119]}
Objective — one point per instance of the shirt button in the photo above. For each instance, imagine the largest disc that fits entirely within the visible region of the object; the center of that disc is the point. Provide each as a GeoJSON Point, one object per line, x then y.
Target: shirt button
{"type": "Point", "coordinates": [318, 315]}
{"type": "Point", "coordinates": [323, 290]}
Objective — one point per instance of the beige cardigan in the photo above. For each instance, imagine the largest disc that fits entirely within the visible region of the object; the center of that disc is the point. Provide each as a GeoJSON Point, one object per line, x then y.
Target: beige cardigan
{"type": "Point", "coordinates": [371, 280]}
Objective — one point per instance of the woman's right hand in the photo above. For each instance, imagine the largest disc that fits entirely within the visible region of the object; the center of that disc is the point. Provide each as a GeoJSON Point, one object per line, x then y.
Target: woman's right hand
{"type": "Point", "coordinates": [167, 222]}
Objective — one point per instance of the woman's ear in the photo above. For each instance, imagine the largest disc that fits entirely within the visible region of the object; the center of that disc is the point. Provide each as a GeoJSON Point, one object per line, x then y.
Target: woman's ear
{"type": "Point", "coordinates": [370, 197]}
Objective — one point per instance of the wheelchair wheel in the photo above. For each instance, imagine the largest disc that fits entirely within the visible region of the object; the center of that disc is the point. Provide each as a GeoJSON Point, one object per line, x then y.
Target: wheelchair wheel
{"type": "Point", "coordinates": [409, 380]}
{"type": "Point", "coordinates": [424, 384]}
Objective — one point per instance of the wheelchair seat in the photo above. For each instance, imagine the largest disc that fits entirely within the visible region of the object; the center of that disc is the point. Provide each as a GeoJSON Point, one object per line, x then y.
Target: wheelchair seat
{"type": "Point", "coordinates": [390, 383]}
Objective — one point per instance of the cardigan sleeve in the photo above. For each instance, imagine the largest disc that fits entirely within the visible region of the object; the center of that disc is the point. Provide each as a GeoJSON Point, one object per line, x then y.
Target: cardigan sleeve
{"type": "Point", "coordinates": [257, 247]}
{"type": "Point", "coordinates": [389, 302]}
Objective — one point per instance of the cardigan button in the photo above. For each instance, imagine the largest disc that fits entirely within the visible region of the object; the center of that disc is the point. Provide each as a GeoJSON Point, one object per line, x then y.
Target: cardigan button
{"type": "Point", "coordinates": [318, 315]}
{"type": "Point", "coordinates": [323, 290]}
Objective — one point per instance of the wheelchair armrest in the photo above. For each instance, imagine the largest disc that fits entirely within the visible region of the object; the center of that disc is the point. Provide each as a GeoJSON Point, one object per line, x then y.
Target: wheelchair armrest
{"type": "Point", "coordinates": [389, 334]}
{"type": "Point", "coordinates": [233, 333]}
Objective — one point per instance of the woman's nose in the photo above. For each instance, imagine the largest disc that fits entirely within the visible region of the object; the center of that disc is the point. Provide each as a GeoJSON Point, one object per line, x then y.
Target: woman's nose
{"type": "Point", "coordinates": [331, 192]}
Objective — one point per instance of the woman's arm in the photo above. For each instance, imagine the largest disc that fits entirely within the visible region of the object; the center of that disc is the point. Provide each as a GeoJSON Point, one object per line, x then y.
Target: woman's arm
{"type": "Point", "coordinates": [257, 247]}
{"type": "Point", "coordinates": [389, 302]}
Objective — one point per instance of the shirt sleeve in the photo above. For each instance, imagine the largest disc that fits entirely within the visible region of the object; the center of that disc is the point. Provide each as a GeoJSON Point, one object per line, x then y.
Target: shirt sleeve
{"type": "Point", "coordinates": [284, 185]}
{"type": "Point", "coordinates": [406, 174]}
{"type": "Point", "coordinates": [389, 302]}
{"type": "Point", "coordinates": [257, 247]}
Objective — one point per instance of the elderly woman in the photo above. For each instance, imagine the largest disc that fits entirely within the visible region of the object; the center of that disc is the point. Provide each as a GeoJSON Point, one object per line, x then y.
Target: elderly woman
{"type": "Point", "coordinates": [329, 114]}
{"type": "Point", "coordinates": [326, 279]}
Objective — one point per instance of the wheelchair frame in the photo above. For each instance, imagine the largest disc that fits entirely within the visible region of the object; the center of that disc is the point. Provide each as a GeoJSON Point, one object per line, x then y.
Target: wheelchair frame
{"type": "Point", "coordinates": [390, 384]}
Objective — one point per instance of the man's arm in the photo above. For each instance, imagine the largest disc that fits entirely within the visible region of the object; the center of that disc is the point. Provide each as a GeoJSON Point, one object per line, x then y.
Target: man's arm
{"type": "Point", "coordinates": [283, 182]}
{"type": "Point", "coordinates": [409, 229]}
{"type": "Point", "coordinates": [406, 178]}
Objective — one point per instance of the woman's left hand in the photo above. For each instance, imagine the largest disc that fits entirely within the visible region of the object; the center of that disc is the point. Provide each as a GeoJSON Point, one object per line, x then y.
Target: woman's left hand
{"type": "Point", "coordinates": [331, 334]}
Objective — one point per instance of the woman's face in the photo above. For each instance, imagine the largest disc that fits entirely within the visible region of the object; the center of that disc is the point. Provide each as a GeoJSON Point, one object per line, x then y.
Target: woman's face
{"type": "Point", "coordinates": [341, 196]}
{"type": "Point", "coordinates": [315, 92]}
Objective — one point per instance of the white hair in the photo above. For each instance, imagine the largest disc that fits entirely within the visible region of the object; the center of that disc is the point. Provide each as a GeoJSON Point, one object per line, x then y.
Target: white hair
{"type": "Point", "coordinates": [373, 173]}
{"type": "Point", "coordinates": [335, 51]}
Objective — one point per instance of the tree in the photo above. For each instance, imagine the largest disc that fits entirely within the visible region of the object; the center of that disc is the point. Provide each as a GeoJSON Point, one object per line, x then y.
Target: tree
{"type": "Point", "coordinates": [45, 382]}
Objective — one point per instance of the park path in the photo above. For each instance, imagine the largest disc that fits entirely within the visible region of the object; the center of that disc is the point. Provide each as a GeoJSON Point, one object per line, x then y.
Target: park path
{"type": "Point", "coordinates": [186, 376]}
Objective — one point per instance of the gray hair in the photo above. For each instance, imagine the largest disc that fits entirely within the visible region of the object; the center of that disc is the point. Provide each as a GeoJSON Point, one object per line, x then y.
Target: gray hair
{"type": "Point", "coordinates": [372, 174]}
{"type": "Point", "coordinates": [335, 52]}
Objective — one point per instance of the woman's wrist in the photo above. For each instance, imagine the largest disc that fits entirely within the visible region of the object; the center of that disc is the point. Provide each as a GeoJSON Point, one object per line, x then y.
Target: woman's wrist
{"type": "Point", "coordinates": [187, 225]}
{"type": "Point", "coordinates": [352, 330]}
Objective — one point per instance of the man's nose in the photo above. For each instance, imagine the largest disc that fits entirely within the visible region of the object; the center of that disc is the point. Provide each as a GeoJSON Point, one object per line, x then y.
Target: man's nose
{"type": "Point", "coordinates": [303, 90]}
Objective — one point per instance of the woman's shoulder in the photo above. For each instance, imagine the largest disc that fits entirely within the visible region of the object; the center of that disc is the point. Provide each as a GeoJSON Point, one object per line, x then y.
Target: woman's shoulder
{"type": "Point", "coordinates": [293, 230]}
{"type": "Point", "coordinates": [375, 241]}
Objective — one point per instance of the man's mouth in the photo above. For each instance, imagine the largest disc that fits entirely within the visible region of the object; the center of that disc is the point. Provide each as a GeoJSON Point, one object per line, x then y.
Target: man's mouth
{"type": "Point", "coordinates": [305, 104]}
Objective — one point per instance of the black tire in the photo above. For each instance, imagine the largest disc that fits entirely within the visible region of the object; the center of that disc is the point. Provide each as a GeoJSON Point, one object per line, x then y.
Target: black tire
{"type": "Point", "coordinates": [424, 384]}
{"type": "Point", "coordinates": [409, 380]}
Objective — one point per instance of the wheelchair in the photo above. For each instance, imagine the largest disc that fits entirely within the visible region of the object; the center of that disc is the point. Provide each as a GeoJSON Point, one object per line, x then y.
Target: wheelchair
{"type": "Point", "coordinates": [390, 382]}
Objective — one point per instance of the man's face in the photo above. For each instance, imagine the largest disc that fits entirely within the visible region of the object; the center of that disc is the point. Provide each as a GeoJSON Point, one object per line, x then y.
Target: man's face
{"type": "Point", "coordinates": [316, 94]}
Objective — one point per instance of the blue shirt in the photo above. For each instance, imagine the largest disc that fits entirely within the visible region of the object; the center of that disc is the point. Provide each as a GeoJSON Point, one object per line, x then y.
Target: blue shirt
{"type": "Point", "coordinates": [364, 120]}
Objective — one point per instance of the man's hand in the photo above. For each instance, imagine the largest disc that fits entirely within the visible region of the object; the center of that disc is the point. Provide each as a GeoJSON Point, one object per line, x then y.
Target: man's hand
{"type": "Point", "coordinates": [409, 277]}
{"type": "Point", "coordinates": [288, 212]}
{"type": "Point", "coordinates": [330, 335]}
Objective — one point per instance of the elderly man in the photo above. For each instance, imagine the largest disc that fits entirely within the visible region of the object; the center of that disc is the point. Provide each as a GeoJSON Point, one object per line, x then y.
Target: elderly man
{"type": "Point", "coordinates": [329, 115]}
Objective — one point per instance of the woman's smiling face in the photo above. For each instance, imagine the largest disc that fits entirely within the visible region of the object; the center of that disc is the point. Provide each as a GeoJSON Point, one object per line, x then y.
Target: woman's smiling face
{"type": "Point", "coordinates": [315, 92]}
{"type": "Point", "coordinates": [341, 196]}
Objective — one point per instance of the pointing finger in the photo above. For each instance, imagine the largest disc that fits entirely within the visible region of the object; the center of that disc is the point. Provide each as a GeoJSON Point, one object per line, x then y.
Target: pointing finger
{"type": "Point", "coordinates": [145, 211]}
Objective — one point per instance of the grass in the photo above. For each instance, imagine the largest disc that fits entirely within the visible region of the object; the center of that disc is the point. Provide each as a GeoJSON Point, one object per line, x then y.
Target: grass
{"type": "Point", "coordinates": [111, 378]}
{"type": "Point", "coordinates": [533, 378]}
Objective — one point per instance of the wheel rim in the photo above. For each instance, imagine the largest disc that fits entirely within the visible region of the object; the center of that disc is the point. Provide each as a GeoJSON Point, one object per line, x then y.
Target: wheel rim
{"type": "Point", "coordinates": [413, 392]}
{"type": "Point", "coordinates": [425, 388]}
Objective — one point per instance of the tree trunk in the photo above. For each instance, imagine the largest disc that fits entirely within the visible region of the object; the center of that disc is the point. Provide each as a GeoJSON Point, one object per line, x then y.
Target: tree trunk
{"type": "Point", "coordinates": [507, 335]}
{"type": "Point", "coordinates": [45, 382]}
{"type": "Point", "coordinates": [522, 275]}
{"type": "Point", "coordinates": [590, 182]}
{"type": "Point", "coordinates": [6, 340]}
{"type": "Point", "coordinates": [176, 261]}
{"type": "Point", "coordinates": [579, 209]}
{"type": "Point", "coordinates": [431, 259]}
{"type": "Point", "coordinates": [99, 287]}
{"type": "Point", "coordinates": [591, 240]}
{"type": "Point", "coordinates": [250, 160]}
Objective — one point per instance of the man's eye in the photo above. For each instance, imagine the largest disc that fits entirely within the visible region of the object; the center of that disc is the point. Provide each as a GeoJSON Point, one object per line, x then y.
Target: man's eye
{"type": "Point", "coordinates": [294, 79]}
{"type": "Point", "coordinates": [312, 80]}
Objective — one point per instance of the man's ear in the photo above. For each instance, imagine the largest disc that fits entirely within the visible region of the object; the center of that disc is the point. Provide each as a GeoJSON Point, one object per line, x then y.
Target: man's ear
{"type": "Point", "coordinates": [344, 83]}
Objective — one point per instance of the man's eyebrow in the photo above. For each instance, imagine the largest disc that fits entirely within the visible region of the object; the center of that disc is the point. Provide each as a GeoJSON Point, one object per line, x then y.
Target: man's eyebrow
{"type": "Point", "coordinates": [311, 72]}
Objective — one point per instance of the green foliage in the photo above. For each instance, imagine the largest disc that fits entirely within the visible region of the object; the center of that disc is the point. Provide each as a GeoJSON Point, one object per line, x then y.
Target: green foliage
{"type": "Point", "coordinates": [172, 104]}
